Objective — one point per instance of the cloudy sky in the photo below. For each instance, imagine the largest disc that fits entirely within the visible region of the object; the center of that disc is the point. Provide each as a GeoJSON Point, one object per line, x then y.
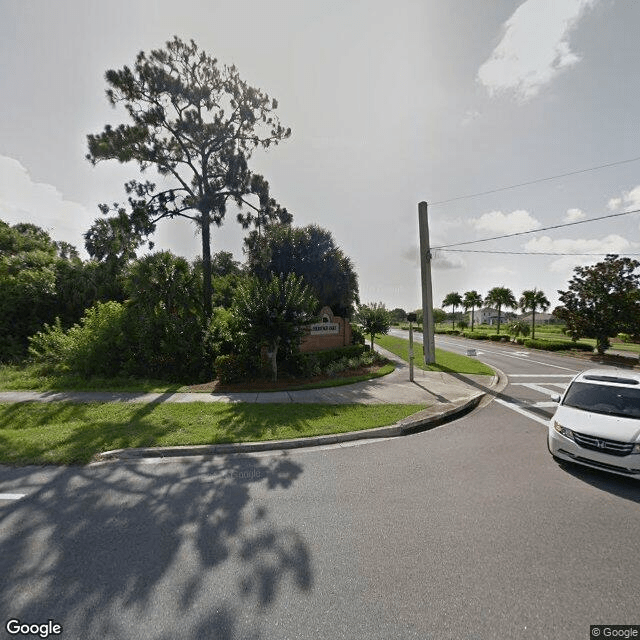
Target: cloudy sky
{"type": "Point", "coordinates": [389, 104]}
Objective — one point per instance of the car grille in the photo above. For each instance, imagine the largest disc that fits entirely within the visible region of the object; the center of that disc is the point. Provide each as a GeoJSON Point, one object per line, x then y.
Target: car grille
{"type": "Point", "coordinates": [612, 447]}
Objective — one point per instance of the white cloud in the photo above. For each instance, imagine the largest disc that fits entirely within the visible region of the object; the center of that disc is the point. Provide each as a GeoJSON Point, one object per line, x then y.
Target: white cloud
{"type": "Point", "coordinates": [498, 222]}
{"type": "Point", "coordinates": [612, 243]}
{"type": "Point", "coordinates": [614, 204]}
{"type": "Point", "coordinates": [23, 200]}
{"type": "Point", "coordinates": [534, 47]}
{"type": "Point", "coordinates": [629, 201]}
{"type": "Point", "coordinates": [573, 215]}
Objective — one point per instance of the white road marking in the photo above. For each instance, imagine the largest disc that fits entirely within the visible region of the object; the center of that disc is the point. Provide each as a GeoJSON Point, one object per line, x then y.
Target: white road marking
{"type": "Point", "coordinates": [522, 411]}
{"type": "Point", "coordinates": [545, 404]}
{"type": "Point", "coordinates": [12, 496]}
{"type": "Point", "coordinates": [540, 375]}
{"type": "Point", "coordinates": [535, 387]}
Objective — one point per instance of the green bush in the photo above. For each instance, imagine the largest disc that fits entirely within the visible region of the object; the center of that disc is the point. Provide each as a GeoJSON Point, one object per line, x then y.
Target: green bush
{"type": "Point", "coordinates": [624, 337]}
{"type": "Point", "coordinates": [314, 363]}
{"type": "Point", "coordinates": [94, 347]}
{"type": "Point", "coordinates": [50, 347]}
{"type": "Point", "coordinates": [230, 368]}
{"type": "Point", "coordinates": [357, 335]}
{"type": "Point", "coordinates": [495, 337]}
{"type": "Point", "coordinates": [222, 334]}
{"type": "Point", "coordinates": [114, 339]}
{"type": "Point", "coordinates": [476, 335]}
{"type": "Point", "coordinates": [556, 345]}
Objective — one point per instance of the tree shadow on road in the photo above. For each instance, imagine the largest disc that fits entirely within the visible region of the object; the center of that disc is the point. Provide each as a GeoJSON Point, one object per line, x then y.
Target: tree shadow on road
{"type": "Point", "coordinates": [151, 550]}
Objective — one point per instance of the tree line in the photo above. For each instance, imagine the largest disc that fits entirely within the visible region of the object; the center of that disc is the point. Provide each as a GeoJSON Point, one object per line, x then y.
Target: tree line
{"type": "Point", "coordinates": [196, 124]}
{"type": "Point", "coordinates": [599, 302]}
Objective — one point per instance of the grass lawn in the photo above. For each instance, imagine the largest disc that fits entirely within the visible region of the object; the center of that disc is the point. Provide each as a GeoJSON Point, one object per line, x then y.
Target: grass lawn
{"type": "Point", "coordinates": [68, 433]}
{"type": "Point", "coordinates": [28, 378]}
{"type": "Point", "coordinates": [445, 360]}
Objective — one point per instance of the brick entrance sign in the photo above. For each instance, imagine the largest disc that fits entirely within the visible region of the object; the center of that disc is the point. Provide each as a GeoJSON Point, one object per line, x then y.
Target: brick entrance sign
{"type": "Point", "coordinates": [330, 333]}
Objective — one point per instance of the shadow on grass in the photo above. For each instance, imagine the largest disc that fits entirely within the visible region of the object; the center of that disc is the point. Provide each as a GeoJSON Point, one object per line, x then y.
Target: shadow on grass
{"type": "Point", "coordinates": [70, 433]}
{"type": "Point", "coordinates": [174, 550]}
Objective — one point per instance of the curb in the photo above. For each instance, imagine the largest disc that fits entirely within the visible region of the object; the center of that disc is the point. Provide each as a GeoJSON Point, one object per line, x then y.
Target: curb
{"type": "Point", "coordinates": [421, 421]}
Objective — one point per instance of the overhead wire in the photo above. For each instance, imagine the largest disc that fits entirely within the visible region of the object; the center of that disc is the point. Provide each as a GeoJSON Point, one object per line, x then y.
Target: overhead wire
{"type": "Point", "coordinates": [541, 253]}
{"type": "Point", "coordinates": [538, 180]}
{"type": "Point", "coordinates": [522, 233]}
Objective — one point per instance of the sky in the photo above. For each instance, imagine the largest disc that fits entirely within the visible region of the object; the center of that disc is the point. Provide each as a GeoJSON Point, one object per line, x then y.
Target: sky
{"type": "Point", "coordinates": [389, 104]}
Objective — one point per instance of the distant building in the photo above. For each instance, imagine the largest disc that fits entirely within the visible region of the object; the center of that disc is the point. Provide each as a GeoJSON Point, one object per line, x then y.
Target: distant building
{"type": "Point", "coordinates": [488, 315]}
{"type": "Point", "coordinates": [541, 318]}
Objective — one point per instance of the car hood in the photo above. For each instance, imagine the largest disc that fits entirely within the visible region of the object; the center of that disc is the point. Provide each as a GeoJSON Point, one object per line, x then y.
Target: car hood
{"type": "Point", "coordinates": [598, 425]}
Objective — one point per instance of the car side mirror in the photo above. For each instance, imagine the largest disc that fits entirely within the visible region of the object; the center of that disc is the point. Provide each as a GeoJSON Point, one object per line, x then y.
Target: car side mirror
{"type": "Point", "coordinates": [555, 398]}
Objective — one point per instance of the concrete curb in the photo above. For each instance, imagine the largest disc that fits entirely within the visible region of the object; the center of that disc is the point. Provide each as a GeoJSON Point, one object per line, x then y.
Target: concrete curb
{"type": "Point", "coordinates": [421, 421]}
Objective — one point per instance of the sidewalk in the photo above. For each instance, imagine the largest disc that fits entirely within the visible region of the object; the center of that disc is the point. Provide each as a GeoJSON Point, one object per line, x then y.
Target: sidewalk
{"type": "Point", "coordinates": [446, 396]}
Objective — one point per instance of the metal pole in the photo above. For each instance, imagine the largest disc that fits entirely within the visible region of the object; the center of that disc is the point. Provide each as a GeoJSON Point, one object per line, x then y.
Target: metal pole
{"type": "Point", "coordinates": [427, 297]}
{"type": "Point", "coordinates": [410, 351]}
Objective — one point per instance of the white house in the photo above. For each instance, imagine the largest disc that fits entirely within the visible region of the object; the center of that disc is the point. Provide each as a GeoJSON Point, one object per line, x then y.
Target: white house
{"type": "Point", "coordinates": [488, 315]}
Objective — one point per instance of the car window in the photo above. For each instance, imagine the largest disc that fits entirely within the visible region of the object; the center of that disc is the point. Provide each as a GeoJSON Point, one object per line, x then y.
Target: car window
{"type": "Point", "coordinates": [607, 399]}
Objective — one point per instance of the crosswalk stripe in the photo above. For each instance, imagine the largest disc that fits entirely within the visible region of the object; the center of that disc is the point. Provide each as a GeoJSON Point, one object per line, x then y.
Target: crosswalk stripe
{"type": "Point", "coordinates": [525, 413]}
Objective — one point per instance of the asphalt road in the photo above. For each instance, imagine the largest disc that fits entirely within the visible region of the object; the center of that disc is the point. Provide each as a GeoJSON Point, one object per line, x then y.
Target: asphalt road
{"type": "Point", "coordinates": [466, 531]}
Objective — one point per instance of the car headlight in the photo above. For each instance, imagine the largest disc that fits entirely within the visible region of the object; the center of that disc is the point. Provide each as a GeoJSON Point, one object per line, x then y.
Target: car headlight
{"type": "Point", "coordinates": [636, 448]}
{"type": "Point", "coordinates": [567, 433]}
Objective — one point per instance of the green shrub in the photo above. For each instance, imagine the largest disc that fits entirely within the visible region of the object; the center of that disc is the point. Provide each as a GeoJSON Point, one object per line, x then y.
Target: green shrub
{"type": "Point", "coordinates": [230, 368]}
{"type": "Point", "coordinates": [222, 335]}
{"type": "Point", "coordinates": [624, 337]}
{"type": "Point", "coordinates": [50, 347]}
{"type": "Point", "coordinates": [495, 337]}
{"type": "Point", "coordinates": [556, 345]}
{"type": "Point", "coordinates": [476, 335]}
{"type": "Point", "coordinates": [94, 347]}
{"type": "Point", "coordinates": [357, 335]}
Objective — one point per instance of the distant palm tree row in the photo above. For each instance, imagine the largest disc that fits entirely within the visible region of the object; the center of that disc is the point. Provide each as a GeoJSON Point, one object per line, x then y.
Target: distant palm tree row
{"type": "Point", "coordinates": [499, 297]}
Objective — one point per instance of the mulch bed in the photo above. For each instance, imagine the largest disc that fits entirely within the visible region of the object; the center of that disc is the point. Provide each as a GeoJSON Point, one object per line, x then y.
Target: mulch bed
{"type": "Point", "coordinates": [283, 384]}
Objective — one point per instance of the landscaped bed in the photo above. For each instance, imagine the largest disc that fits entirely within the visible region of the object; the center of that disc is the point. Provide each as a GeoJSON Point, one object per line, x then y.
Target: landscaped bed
{"type": "Point", "coordinates": [29, 377]}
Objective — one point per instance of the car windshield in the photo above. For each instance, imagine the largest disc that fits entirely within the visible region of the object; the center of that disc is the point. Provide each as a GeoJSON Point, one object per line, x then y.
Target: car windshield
{"type": "Point", "coordinates": [607, 399]}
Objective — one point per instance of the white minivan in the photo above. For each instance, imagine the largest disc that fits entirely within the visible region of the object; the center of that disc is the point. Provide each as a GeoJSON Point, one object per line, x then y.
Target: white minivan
{"type": "Point", "coordinates": [597, 422]}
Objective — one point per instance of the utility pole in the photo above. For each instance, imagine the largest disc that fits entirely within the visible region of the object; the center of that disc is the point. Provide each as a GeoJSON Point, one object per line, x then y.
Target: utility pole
{"type": "Point", "coordinates": [428, 339]}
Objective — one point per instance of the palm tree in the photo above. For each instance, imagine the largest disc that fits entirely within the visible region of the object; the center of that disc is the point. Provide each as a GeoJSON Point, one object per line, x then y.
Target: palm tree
{"type": "Point", "coordinates": [533, 299]}
{"type": "Point", "coordinates": [452, 300]}
{"type": "Point", "coordinates": [501, 297]}
{"type": "Point", "coordinates": [471, 300]}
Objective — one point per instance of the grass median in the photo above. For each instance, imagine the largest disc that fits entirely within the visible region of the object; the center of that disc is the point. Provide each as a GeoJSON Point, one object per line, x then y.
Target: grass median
{"type": "Point", "coordinates": [445, 360]}
{"type": "Point", "coordinates": [69, 433]}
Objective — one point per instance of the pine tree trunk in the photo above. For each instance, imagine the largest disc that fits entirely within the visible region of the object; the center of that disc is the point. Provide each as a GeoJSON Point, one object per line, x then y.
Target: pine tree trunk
{"type": "Point", "coordinates": [207, 290]}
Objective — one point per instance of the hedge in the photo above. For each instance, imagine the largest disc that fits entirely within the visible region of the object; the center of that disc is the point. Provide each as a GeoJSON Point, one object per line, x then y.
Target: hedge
{"type": "Point", "coordinates": [557, 345]}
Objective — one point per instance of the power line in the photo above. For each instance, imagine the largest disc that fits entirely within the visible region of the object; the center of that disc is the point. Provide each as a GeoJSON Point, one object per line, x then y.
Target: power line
{"type": "Point", "coordinates": [522, 233]}
{"type": "Point", "coordinates": [543, 253]}
{"type": "Point", "coordinates": [524, 184]}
